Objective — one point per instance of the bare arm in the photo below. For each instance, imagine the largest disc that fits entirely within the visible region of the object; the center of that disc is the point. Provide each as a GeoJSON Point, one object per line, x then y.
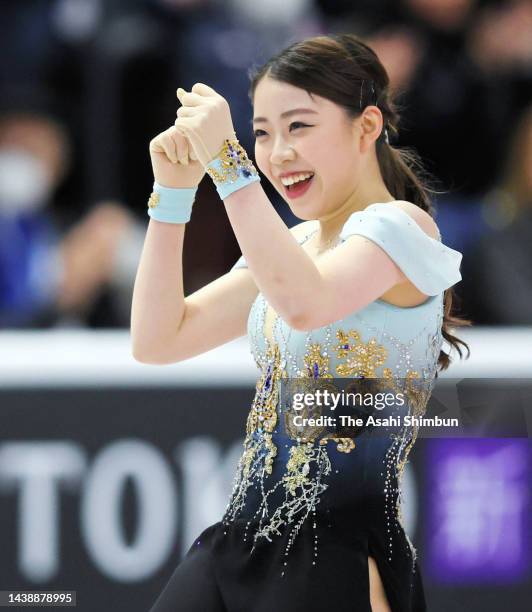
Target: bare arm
{"type": "Point", "coordinates": [308, 293]}
{"type": "Point", "coordinates": [167, 327]}
{"type": "Point", "coordinates": [282, 269]}
{"type": "Point", "coordinates": [158, 304]}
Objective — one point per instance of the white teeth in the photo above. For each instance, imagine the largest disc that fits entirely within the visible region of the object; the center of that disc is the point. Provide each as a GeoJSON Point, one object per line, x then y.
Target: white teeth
{"type": "Point", "coordinates": [295, 178]}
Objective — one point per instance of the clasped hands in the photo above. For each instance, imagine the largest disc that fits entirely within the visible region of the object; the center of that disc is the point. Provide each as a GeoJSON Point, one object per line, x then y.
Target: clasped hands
{"type": "Point", "coordinates": [204, 119]}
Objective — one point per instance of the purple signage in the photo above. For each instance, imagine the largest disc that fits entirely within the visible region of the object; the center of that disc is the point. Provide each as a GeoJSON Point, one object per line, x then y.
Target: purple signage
{"type": "Point", "coordinates": [479, 510]}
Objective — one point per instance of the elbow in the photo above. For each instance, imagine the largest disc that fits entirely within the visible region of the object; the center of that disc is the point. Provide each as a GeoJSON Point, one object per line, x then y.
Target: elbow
{"type": "Point", "coordinates": [142, 356]}
{"type": "Point", "coordinates": [150, 355]}
{"type": "Point", "coordinates": [306, 310]}
{"type": "Point", "coordinates": [314, 315]}
{"type": "Point", "coordinates": [159, 347]}
{"type": "Point", "coordinates": [301, 322]}
{"type": "Point", "coordinates": [138, 349]}
{"type": "Point", "coordinates": [151, 359]}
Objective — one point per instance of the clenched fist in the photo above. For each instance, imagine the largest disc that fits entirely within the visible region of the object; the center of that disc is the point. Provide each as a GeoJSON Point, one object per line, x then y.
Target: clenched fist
{"type": "Point", "coordinates": [173, 161]}
{"type": "Point", "coordinates": [205, 120]}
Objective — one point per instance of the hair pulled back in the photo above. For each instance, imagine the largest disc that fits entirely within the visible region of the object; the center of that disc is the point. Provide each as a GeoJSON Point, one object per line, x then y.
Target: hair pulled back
{"type": "Point", "coordinates": [345, 70]}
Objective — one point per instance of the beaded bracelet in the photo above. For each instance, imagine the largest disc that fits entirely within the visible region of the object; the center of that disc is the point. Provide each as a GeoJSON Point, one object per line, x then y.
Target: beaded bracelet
{"type": "Point", "coordinates": [231, 169]}
{"type": "Point", "coordinates": [171, 205]}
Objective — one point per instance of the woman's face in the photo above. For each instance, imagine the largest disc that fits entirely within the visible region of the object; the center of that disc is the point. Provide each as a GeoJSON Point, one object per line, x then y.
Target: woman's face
{"type": "Point", "coordinates": [319, 138]}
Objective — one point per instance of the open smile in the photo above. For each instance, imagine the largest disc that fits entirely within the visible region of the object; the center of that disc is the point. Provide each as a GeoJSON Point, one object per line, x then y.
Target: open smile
{"type": "Point", "coordinates": [298, 189]}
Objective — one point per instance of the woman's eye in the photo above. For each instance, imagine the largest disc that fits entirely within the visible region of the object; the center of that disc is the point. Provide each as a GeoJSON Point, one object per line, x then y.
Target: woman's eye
{"type": "Point", "coordinates": [299, 123]}
{"type": "Point", "coordinates": [295, 124]}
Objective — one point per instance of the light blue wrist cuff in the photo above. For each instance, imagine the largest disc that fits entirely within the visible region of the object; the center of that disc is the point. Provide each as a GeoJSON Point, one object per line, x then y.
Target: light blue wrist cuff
{"type": "Point", "coordinates": [171, 205]}
{"type": "Point", "coordinates": [231, 169]}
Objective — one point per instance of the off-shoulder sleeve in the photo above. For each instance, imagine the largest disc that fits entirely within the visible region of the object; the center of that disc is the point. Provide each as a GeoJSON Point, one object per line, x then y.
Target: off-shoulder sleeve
{"type": "Point", "coordinates": [428, 263]}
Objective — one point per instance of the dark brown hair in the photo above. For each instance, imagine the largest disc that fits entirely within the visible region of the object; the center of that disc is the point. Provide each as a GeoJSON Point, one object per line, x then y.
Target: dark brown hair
{"type": "Point", "coordinates": [344, 70]}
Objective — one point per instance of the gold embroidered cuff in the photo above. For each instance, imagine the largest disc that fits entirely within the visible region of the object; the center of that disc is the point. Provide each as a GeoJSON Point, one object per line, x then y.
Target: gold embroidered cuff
{"type": "Point", "coordinates": [231, 169]}
{"type": "Point", "coordinates": [154, 200]}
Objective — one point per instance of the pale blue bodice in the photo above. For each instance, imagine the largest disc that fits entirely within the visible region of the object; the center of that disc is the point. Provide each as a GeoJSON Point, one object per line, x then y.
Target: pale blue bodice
{"type": "Point", "coordinates": [404, 339]}
{"type": "Point", "coordinates": [281, 479]}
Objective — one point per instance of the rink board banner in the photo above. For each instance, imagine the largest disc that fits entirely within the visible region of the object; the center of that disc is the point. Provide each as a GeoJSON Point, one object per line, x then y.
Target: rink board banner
{"type": "Point", "coordinates": [104, 489]}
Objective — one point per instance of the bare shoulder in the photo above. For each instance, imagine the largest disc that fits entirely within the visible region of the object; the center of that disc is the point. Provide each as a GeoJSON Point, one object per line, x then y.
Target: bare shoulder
{"type": "Point", "coordinates": [300, 230]}
{"type": "Point", "coordinates": [420, 216]}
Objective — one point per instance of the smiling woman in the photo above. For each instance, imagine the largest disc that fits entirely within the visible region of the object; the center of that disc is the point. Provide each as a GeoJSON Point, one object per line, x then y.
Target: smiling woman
{"type": "Point", "coordinates": [359, 290]}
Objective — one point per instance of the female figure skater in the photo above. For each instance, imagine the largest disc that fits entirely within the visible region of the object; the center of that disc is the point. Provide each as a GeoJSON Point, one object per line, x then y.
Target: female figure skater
{"type": "Point", "coordinates": [360, 289]}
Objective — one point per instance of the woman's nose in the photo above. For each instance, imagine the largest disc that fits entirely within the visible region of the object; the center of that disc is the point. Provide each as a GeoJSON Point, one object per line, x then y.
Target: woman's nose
{"type": "Point", "coordinates": [281, 152]}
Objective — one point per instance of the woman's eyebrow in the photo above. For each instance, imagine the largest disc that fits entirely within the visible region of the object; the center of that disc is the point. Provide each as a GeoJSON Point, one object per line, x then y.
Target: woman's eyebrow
{"type": "Point", "coordinates": [288, 113]}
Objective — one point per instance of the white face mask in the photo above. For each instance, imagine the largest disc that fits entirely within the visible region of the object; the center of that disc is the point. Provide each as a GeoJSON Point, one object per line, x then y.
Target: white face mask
{"type": "Point", "coordinates": [24, 182]}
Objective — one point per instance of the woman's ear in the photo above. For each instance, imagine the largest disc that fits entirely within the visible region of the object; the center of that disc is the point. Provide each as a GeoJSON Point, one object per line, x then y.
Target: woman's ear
{"type": "Point", "coordinates": [371, 124]}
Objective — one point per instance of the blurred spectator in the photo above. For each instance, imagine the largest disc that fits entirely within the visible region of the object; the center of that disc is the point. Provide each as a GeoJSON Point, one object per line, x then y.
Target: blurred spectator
{"type": "Point", "coordinates": [501, 38]}
{"type": "Point", "coordinates": [462, 71]}
{"type": "Point", "coordinates": [497, 272]}
{"type": "Point", "coordinates": [137, 61]}
{"type": "Point", "coordinates": [45, 276]}
{"type": "Point", "coordinates": [449, 108]}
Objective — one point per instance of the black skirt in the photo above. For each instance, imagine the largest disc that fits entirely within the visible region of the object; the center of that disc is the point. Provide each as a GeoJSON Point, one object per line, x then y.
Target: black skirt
{"type": "Point", "coordinates": [319, 562]}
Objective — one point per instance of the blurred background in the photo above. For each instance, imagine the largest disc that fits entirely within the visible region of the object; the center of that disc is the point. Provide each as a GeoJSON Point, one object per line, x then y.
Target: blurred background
{"type": "Point", "coordinates": [84, 86]}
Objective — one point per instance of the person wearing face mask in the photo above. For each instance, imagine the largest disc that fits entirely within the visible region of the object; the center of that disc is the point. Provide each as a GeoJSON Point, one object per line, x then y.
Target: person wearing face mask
{"type": "Point", "coordinates": [48, 275]}
{"type": "Point", "coordinates": [360, 289]}
{"type": "Point", "coordinates": [32, 156]}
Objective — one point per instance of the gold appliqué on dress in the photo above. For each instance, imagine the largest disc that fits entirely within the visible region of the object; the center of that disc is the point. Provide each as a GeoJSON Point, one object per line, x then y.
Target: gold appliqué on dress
{"type": "Point", "coordinates": [316, 360]}
{"type": "Point", "coordinates": [362, 358]}
{"type": "Point", "coordinates": [263, 414]}
{"type": "Point", "coordinates": [306, 467]}
{"type": "Point", "coordinates": [259, 448]}
{"type": "Point", "coordinates": [316, 368]}
{"type": "Point", "coordinates": [344, 445]}
{"type": "Point", "coordinates": [304, 477]}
